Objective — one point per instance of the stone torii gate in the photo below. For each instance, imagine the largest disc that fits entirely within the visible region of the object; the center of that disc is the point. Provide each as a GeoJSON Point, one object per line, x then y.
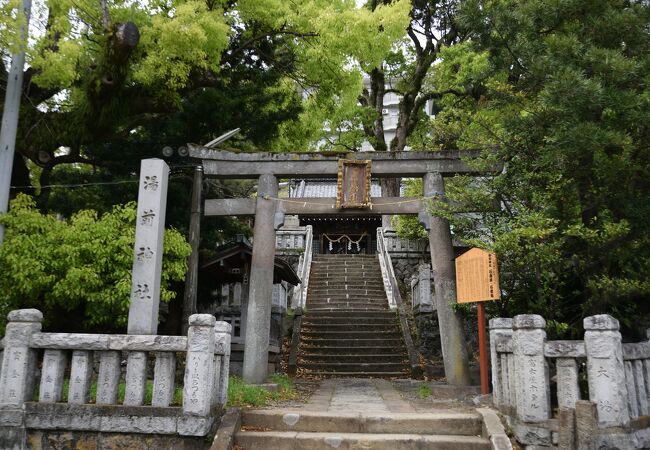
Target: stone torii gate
{"type": "Point", "coordinates": [269, 211]}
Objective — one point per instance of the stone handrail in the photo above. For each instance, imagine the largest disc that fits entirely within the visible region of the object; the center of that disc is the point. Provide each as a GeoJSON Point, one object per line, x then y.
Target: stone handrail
{"type": "Point", "coordinates": [387, 271]}
{"type": "Point", "coordinates": [299, 295]}
{"type": "Point", "coordinates": [207, 358]}
{"type": "Point", "coordinates": [395, 301]}
{"type": "Point", "coordinates": [618, 378]}
{"type": "Point", "coordinates": [401, 246]}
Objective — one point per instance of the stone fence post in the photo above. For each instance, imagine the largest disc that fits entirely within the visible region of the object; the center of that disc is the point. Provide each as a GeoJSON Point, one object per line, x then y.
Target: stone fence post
{"type": "Point", "coordinates": [531, 371]}
{"type": "Point", "coordinates": [425, 299]}
{"type": "Point", "coordinates": [605, 370]}
{"type": "Point", "coordinates": [223, 332]}
{"type": "Point", "coordinates": [199, 365]}
{"type": "Point", "coordinates": [19, 361]}
{"type": "Point", "coordinates": [500, 328]}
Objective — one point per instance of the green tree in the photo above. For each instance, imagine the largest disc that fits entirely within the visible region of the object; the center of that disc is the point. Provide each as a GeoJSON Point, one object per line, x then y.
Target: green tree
{"type": "Point", "coordinates": [77, 271]}
{"type": "Point", "coordinates": [563, 104]}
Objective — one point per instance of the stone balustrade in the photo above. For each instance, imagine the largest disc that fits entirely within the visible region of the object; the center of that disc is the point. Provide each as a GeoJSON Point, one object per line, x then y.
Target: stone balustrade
{"type": "Point", "coordinates": [401, 247]}
{"type": "Point", "coordinates": [32, 386]}
{"type": "Point", "coordinates": [291, 240]}
{"type": "Point", "coordinates": [421, 294]}
{"type": "Point", "coordinates": [296, 240]}
{"type": "Point", "coordinates": [601, 385]}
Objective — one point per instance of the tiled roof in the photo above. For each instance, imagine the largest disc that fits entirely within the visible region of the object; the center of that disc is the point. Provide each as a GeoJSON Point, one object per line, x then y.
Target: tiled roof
{"type": "Point", "coordinates": [324, 188]}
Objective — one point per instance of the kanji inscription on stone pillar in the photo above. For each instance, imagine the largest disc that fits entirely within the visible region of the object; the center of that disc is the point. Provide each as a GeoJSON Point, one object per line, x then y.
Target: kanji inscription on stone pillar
{"type": "Point", "coordinates": [148, 248]}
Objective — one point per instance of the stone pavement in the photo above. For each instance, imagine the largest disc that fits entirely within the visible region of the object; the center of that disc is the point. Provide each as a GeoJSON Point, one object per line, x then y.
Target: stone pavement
{"type": "Point", "coordinates": [368, 395]}
{"type": "Point", "coordinates": [366, 413]}
{"type": "Point", "coordinates": [363, 395]}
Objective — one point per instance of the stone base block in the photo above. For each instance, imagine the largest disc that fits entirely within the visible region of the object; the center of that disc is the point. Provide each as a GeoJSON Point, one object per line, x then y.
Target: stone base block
{"type": "Point", "coordinates": [88, 440]}
{"type": "Point", "coordinates": [530, 434]}
{"type": "Point", "coordinates": [118, 419]}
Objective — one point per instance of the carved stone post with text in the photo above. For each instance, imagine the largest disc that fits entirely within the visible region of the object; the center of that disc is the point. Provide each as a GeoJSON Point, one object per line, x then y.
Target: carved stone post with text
{"type": "Point", "coordinates": [17, 375]}
{"type": "Point", "coordinates": [533, 396]}
{"type": "Point", "coordinates": [199, 365]}
{"type": "Point", "coordinates": [148, 249]}
{"type": "Point", "coordinates": [605, 370]}
{"type": "Point", "coordinates": [533, 399]}
{"type": "Point", "coordinates": [18, 360]}
{"type": "Point", "coordinates": [147, 268]}
{"type": "Point", "coordinates": [222, 332]}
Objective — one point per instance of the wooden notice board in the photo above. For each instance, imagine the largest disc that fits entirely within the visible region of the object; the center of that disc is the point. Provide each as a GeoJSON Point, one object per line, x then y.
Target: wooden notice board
{"type": "Point", "coordinates": [477, 276]}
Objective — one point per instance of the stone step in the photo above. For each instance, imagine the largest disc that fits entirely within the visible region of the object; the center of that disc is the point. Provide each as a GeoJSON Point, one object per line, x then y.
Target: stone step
{"type": "Point", "coordinates": [373, 334]}
{"type": "Point", "coordinates": [453, 423]}
{"type": "Point", "coordinates": [349, 292]}
{"type": "Point", "coordinates": [291, 440]}
{"type": "Point", "coordinates": [346, 342]}
{"type": "Point", "coordinates": [348, 302]}
{"type": "Point", "coordinates": [355, 367]}
{"type": "Point", "coordinates": [348, 349]}
{"type": "Point", "coordinates": [325, 326]}
{"type": "Point", "coordinates": [344, 307]}
{"type": "Point", "coordinates": [326, 374]}
{"type": "Point", "coordinates": [360, 313]}
{"type": "Point", "coordinates": [361, 301]}
{"type": "Point", "coordinates": [343, 296]}
{"type": "Point", "coordinates": [351, 256]}
{"type": "Point", "coordinates": [343, 269]}
{"type": "Point", "coordinates": [325, 321]}
{"type": "Point", "coordinates": [324, 278]}
{"type": "Point", "coordinates": [349, 358]}
{"type": "Point", "coordinates": [352, 274]}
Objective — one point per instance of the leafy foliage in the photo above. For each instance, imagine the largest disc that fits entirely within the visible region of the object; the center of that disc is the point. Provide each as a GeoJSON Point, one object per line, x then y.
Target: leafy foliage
{"type": "Point", "coordinates": [563, 103]}
{"type": "Point", "coordinates": [78, 271]}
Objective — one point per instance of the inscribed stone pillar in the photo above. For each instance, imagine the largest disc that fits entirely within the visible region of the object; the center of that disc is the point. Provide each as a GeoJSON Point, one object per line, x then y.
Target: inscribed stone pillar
{"type": "Point", "coordinates": [425, 303]}
{"type": "Point", "coordinates": [52, 376]}
{"type": "Point", "coordinates": [605, 370]}
{"type": "Point", "coordinates": [199, 365]}
{"type": "Point", "coordinates": [18, 360]}
{"type": "Point", "coordinates": [568, 390]}
{"type": "Point", "coordinates": [136, 379]}
{"type": "Point", "coordinates": [499, 328]}
{"type": "Point", "coordinates": [148, 249]}
{"type": "Point", "coordinates": [222, 332]}
{"type": "Point", "coordinates": [452, 338]}
{"type": "Point", "coordinates": [108, 379]}
{"type": "Point", "coordinates": [81, 369]}
{"type": "Point", "coordinates": [258, 318]}
{"type": "Point", "coordinates": [163, 379]}
{"type": "Point", "coordinates": [531, 370]}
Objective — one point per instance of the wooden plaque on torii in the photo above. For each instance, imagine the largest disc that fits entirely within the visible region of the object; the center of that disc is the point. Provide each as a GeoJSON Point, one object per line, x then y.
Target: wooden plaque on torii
{"type": "Point", "coordinates": [353, 186]}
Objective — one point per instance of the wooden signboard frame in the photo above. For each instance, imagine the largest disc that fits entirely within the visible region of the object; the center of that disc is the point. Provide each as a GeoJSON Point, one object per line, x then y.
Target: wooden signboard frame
{"type": "Point", "coordinates": [477, 277]}
{"type": "Point", "coordinates": [353, 185]}
{"type": "Point", "coordinates": [477, 280]}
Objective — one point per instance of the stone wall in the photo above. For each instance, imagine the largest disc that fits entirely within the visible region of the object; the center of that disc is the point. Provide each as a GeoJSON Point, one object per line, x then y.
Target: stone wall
{"type": "Point", "coordinates": [85, 440]}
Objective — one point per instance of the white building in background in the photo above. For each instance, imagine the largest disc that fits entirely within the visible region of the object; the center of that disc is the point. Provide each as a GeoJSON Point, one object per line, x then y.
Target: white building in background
{"type": "Point", "coordinates": [390, 114]}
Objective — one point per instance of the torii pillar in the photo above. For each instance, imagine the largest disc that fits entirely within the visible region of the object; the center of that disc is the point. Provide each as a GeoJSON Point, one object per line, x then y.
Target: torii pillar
{"type": "Point", "coordinates": [258, 317]}
{"type": "Point", "coordinates": [454, 350]}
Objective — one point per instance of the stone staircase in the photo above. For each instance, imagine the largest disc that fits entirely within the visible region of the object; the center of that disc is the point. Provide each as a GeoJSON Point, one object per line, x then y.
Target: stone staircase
{"type": "Point", "coordinates": [280, 430]}
{"type": "Point", "coordinates": [347, 328]}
